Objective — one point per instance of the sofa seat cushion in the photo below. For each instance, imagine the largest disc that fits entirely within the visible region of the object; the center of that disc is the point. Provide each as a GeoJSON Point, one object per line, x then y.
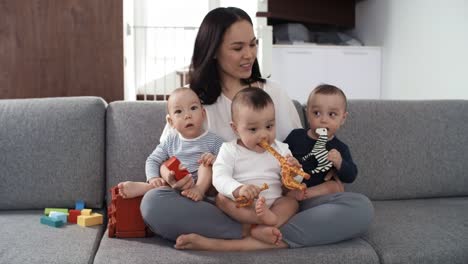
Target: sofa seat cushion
{"type": "Point", "coordinates": [158, 250]}
{"type": "Point", "coordinates": [25, 240]}
{"type": "Point", "coordinates": [420, 231]}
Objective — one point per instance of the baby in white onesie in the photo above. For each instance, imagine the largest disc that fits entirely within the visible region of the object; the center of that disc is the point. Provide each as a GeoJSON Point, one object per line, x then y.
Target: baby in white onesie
{"type": "Point", "coordinates": [242, 166]}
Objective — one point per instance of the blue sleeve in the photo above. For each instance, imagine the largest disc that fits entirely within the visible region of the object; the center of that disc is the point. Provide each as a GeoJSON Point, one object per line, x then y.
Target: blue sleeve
{"type": "Point", "coordinates": [289, 139]}
{"type": "Point", "coordinates": [155, 159]}
{"type": "Point", "coordinates": [348, 171]}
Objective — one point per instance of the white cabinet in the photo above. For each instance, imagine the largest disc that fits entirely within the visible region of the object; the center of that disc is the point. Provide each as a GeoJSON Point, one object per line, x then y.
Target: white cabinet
{"type": "Point", "coordinates": [299, 68]}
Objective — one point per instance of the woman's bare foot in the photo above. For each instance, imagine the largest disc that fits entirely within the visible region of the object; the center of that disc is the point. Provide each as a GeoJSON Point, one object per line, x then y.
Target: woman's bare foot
{"type": "Point", "coordinates": [267, 234]}
{"type": "Point", "coordinates": [264, 214]}
{"type": "Point", "coordinates": [194, 193]}
{"type": "Point", "coordinates": [194, 241]}
{"type": "Point", "coordinates": [131, 189]}
{"type": "Point", "coordinates": [198, 242]}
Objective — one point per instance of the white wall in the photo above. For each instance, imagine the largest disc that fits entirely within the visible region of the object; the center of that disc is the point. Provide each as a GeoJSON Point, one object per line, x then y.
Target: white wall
{"type": "Point", "coordinates": [424, 46]}
{"type": "Point", "coordinates": [128, 42]}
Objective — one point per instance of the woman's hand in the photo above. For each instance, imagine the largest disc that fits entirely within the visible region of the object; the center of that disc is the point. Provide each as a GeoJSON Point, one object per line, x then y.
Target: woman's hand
{"type": "Point", "coordinates": [182, 184]}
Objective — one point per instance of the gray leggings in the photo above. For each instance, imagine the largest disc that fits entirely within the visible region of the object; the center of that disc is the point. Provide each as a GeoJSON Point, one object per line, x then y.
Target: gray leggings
{"type": "Point", "coordinates": [323, 220]}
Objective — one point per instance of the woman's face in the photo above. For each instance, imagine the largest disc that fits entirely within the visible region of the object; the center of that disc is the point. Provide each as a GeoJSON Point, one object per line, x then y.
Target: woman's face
{"type": "Point", "coordinates": [237, 52]}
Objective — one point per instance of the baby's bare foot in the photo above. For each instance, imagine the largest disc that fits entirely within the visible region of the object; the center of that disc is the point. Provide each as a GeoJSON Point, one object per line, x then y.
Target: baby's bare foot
{"type": "Point", "coordinates": [267, 234]}
{"type": "Point", "coordinates": [194, 193]}
{"type": "Point", "coordinates": [264, 214]}
{"type": "Point", "coordinates": [131, 189]}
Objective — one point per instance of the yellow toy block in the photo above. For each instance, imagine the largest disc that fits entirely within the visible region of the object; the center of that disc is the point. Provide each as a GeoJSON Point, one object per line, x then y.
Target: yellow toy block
{"type": "Point", "coordinates": [90, 220]}
{"type": "Point", "coordinates": [86, 212]}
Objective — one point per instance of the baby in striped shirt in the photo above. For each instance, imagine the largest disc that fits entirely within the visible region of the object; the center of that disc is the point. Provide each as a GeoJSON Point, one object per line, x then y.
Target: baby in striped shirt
{"type": "Point", "coordinates": [195, 148]}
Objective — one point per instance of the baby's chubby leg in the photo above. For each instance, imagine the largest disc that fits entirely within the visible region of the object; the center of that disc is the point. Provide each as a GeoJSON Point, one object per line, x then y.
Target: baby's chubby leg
{"type": "Point", "coordinates": [197, 192]}
{"type": "Point", "coordinates": [264, 214]}
{"type": "Point", "coordinates": [328, 187]}
{"type": "Point", "coordinates": [131, 189]}
{"type": "Point", "coordinates": [244, 215]}
{"type": "Point", "coordinates": [282, 209]}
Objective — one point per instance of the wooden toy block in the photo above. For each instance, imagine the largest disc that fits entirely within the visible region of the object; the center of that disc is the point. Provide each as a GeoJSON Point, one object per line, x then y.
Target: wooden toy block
{"type": "Point", "coordinates": [79, 205]}
{"type": "Point", "coordinates": [48, 210]}
{"type": "Point", "coordinates": [173, 164]}
{"type": "Point", "coordinates": [125, 220]}
{"type": "Point", "coordinates": [86, 212]}
{"type": "Point", "coordinates": [51, 221]}
{"type": "Point", "coordinates": [90, 220]}
{"type": "Point", "coordinates": [73, 215]}
{"type": "Point", "coordinates": [59, 215]}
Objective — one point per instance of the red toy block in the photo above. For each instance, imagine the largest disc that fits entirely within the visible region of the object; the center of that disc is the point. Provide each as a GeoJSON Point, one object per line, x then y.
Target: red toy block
{"type": "Point", "coordinates": [125, 217]}
{"type": "Point", "coordinates": [173, 164]}
{"type": "Point", "coordinates": [73, 215]}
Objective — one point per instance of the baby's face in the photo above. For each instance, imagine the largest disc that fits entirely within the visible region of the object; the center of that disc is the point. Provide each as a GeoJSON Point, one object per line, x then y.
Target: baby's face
{"type": "Point", "coordinates": [253, 126]}
{"type": "Point", "coordinates": [186, 114]}
{"type": "Point", "coordinates": [326, 111]}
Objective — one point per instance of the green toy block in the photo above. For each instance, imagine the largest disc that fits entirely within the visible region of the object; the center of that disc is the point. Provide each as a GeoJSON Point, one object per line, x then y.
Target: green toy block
{"type": "Point", "coordinates": [48, 210]}
{"type": "Point", "coordinates": [51, 221]}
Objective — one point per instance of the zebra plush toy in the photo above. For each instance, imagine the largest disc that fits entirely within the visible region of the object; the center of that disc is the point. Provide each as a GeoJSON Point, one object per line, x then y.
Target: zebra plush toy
{"type": "Point", "coordinates": [320, 153]}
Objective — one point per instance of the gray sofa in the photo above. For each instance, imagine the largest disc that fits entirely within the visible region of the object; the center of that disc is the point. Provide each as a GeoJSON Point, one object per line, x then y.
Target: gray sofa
{"type": "Point", "coordinates": [54, 151]}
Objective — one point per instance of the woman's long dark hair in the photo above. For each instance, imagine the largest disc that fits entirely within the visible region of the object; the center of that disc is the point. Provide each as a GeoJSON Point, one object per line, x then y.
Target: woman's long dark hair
{"type": "Point", "coordinates": [203, 73]}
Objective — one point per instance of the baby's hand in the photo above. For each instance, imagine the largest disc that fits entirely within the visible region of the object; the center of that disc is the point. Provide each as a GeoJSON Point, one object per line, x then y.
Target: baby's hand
{"type": "Point", "coordinates": [335, 157]}
{"type": "Point", "coordinates": [207, 159]}
{"type": "Point", "coordinates": [292, 161]}
{"type": "Point", "coordinates": [249, 191]}
{"type": "Point", "coordinates": [157, 182]}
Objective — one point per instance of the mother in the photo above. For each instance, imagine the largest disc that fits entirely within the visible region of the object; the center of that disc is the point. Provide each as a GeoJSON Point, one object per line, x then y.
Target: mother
{"type": "Point", "coordinates": [224, 62]}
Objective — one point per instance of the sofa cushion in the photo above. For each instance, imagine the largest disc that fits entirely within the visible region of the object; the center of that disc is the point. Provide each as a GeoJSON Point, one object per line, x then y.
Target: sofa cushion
{"type": "Point", "coordinates": [25, 240]}
{"type": "Point", "coordinates": [157, 250]}
{"type": "Point", "coordinates": [408, 149]}
{"type": "Point", "coordinates": [133, 131]}
{"type": "Point", "coordinates": [420, 231]}
{"type": "Point", "coordinates": [52, 152]}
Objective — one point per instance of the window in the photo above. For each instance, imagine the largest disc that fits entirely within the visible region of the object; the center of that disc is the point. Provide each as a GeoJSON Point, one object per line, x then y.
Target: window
{"type": "Point", "coordinates": [159, 42]}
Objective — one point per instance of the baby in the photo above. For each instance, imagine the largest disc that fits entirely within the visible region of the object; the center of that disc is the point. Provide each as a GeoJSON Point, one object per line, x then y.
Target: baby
{"type": "Point", "coordinates": [242, 167]}
{"type": "Point", "coordinates": [326, 108]}
{"type": "Point", "coordinates": [192, 145]}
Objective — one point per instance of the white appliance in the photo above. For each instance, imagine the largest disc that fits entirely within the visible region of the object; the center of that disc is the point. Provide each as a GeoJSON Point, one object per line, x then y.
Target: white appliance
{"type": "Point", "coordinates": [354, 69]}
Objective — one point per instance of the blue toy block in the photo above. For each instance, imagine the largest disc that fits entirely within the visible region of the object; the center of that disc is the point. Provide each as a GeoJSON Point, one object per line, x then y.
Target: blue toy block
{"type": "Point", "coordinates": [79, 205]}
{"type": "Point", "coordinates": [51, 221]}
{"type": "Point", "coordinates": [59, 215]}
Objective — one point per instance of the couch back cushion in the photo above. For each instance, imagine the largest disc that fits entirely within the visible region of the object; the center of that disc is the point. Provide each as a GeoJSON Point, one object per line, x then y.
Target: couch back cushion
{"type": "Point", "coordinates": [408, 149]}
{"type": "Point", "coordinates": [133, 132]}
{"type": "Point", "coordinates": [52, 152]}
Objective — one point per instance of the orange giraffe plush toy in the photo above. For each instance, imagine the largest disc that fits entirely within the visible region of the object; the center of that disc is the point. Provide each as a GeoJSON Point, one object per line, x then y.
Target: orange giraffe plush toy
{"type": "Point", "coordinates": [287, 172]}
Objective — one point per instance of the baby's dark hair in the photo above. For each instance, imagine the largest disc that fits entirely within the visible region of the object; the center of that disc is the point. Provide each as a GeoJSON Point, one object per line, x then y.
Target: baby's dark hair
{"type": "Point", "coordinates": [179, 90]}
{"type": "Point", "coordinates": [328, 89]}
{"type": "Point", "coordinates": [252, 97]}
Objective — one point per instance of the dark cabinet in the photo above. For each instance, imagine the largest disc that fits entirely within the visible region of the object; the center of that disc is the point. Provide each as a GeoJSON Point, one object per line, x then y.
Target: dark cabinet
{"type": "Point", "coordinates": [334, 13]}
